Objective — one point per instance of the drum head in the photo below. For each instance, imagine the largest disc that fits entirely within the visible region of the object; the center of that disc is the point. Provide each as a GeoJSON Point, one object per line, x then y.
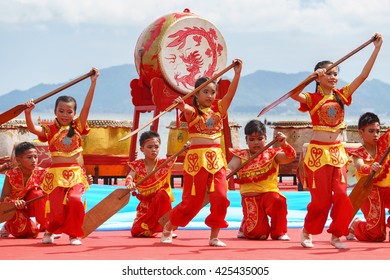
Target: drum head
{"type": "Point", "coordinates": [191, 48]}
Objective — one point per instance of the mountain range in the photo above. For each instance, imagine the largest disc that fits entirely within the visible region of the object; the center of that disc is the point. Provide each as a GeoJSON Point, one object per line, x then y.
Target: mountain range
{"type": "Point", "coordinates": [256, 90]}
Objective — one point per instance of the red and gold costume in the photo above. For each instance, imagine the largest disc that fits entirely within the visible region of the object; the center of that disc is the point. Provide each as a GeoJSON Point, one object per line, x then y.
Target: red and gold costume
{"type": "Point", "coordinates": [374, 228]}
{"type": "Point", "coordinates": [155, 196]}
{"type": "Point", "coordinates": [204, 171]}
{"type": "Point", "coordinates": [65, 183]}
{"type": "Point", "coordinates": [260, 176]}
{"type": "Point", "coordinates": [325, 166]}
{"type": "Point", "coordinates": [21, 225]}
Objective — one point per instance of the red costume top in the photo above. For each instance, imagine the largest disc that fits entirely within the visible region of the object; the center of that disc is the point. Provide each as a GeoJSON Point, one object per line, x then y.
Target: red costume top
{"type": "Point", "coordinates": [18, 189]}
{"type": "Point", "coordinates": [261, 174]}
{"type": "Point", "coordinates": [326, 114]}
{"type": "Point", "coordinates": [59, 143]}
{"type": "Point", "coordinates": [209, 125]}
{"type": "Point", "coordinates": [159, 180]}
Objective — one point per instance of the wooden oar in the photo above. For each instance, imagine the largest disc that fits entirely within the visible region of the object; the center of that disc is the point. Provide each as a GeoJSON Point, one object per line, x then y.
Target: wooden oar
{"type": "Point", "coordinates": [188, 95]}
{"type": "Point", "coordinates": [8, 209]}
{"type": "Point", "coordinates": [165, 218]}
{"type": "Point", "coordinates": [115, 201]}
{"type": "Point", "coordinates": [363, 187]}
{"type": "Point", "coordinates": [308, 80]}
{"type": "Point", "coordinates": [18, 109]}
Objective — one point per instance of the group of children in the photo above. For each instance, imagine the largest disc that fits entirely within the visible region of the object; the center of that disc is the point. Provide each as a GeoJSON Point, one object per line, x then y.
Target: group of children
{"type": "Point", "coordinates": [205, 170]}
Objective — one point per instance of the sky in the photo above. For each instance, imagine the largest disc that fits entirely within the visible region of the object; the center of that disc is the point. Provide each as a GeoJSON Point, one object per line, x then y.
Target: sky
{"type": "Point", "coordinates": [53, 41]}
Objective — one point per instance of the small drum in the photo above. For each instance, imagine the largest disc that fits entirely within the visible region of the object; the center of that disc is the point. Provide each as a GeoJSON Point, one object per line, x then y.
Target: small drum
{"type": "Point", "coordinates": [12, 132]}
{"type": "Point", "coordinates": [103, 154]}
{"type": "Point", "coordinates": [180, 48]}
{"type": "Point", "coordinates": [351, 178]}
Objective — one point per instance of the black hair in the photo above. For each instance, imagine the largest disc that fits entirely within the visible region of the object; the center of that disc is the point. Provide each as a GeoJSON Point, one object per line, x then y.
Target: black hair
{"type": "Point", "coordinates": [66, 98]}
{"type": "Point", "coordinates": [366, 119]}
{"type": "Point", "coordinates": [255, 126]}
{"type": "Point", "coordinates": [22, 147]}
{"type": "Point", "coordinates": [198, 83]}
{"type": "Point", "coordinates": [323, 64]}
{"type": "Point", "coordinates": [148, 135]}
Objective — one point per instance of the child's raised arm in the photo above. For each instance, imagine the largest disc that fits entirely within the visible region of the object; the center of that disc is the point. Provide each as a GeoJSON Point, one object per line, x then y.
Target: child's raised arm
{"type": "Point", "coordinates": [88, 99]}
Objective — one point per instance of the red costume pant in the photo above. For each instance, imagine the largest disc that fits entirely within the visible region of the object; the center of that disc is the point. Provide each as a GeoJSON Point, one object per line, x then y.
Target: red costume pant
{"type": "Point", "coordinates": [21, 225]}
{"type": "Point", "coordinates": [66, 218]}
{"type": "Point", "coordinates": [373, 208]}
{"type": "Point", "coordinates": [329, 192]}
{"type": "Point", "coordinates": [256, 210]}
{"type": "Point", "coordinates": [149, 211]}
{"type": "Point", "coordinates": [192, 204]}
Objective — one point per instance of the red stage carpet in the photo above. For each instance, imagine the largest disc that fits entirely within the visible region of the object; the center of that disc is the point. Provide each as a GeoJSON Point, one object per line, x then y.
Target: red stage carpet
{"type": "Point", "coordinates": [190, 245]}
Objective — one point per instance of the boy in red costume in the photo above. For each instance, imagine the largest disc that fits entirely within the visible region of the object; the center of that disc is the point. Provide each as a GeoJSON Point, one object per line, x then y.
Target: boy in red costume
{"type": "Point", "coordinates": [23, 183]}
{"type": "Point", "coordinates": [155, 193]}
{"type": "Point", "coordinates": [258, 180]}
{"type": "Point", "coordinates": [366, 160]}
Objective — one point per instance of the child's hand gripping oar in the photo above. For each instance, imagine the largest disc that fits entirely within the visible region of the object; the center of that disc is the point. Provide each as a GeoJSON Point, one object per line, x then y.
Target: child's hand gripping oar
{"type": "Point", "coordinates": [188, 95]}
{"type": "Point", "coordinates": [311, 78]}
{"type": "Point", "coordinates": [116, 200]}
{"type": "Point", "coordinates": [8, 209]}
{"type": "Point", "coordinates": [18, 109]}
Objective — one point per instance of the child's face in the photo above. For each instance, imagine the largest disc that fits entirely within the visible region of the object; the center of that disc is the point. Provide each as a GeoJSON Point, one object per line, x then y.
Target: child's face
{"type": "Point", "coordinates": [150, 148]}
{"type": "Point", "coordinates": [255, 141]}
{"type": "Point", "coordinates": [330, 79]}
{"type": "Point", "coordinates": [207, 95]}
{"type": "Point", "coordinates": [65, 112]}
{"type": "Point", "coordinates": [370, 133]}
{"type": "Point", "coordinates": [28, 161]}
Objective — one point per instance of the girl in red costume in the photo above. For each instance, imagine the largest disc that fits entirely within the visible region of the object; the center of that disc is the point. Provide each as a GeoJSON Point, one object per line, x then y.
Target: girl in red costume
{"type": "Point", "coordinates": [205, 164]}
{"type": "Point", "coordinates": [65, 181]}
{"type": "Point", "coordinates": [366, 160]}
{"type": "Point", "coordinates": [326, 159]}
{"type": "Point", "coordinates": [155, 193]}
{"type": "Point", "coordinates": [23, 183]}
{"type": "Point", "coordinates": [258, 180]}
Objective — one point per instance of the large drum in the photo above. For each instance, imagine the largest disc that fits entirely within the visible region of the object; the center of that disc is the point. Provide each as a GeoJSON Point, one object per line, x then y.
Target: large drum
{"type": "Point", "coordinates": [11, 133]}
{"type": "Point", "coordinates": [180, 48]}
{"type": "Point", "coordinates": [104, 155]}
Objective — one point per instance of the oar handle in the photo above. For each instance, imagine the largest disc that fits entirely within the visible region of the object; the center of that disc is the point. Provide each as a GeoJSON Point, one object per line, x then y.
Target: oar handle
{"type": "Point", "coordinates": [57, 90]}
{"type": "Point", "coordinates": [27, 203]}
{"type": "Point", "coordinates": [310, 79]}
{"type": "Point", "coordinates": [251, 158]}
{"type": "Point", "coordinates": [188, 95]}
{"type": "Point", "coordinates": [172, 157]}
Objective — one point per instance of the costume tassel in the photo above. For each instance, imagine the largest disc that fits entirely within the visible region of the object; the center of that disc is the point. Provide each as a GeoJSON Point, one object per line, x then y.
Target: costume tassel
{"type": "Point", "coordinates": [342, 178]}
{"type": "Point", "coordinates": [85, 204]}
{"type": "Point", "coordinates": [47, 207]}
{"type": "Point", "coordinates": [314, 184]}
{"type": "Point", "coordinates": [65, 201]}
{"type": "Point", "coordinates": [212, 185]}
{"type": "Point", "coordinates": [193, 192]}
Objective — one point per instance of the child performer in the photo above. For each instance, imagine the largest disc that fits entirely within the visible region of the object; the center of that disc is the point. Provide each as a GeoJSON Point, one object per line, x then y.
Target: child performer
{"type": "Point", "coordinates": [65, 181]}
{"type": "Point", "coordinates": [155, 193]}
{"type": "Point", "coordinates": [326, 159]}
{"type": "Point", "coordinates": [205, 164]}
{"type": "Point", "coordinates": [23, 183]}
{"type": "Point", "coordinates": [258, 180]}
{"type": "Point", "coordinates": [366, 159]}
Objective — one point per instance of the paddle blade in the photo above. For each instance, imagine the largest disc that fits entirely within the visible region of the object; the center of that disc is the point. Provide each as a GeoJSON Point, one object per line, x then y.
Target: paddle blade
{"type": "Point", "coordinates": [7, 211]}
{"type": "Point", "coordinates": [12, 113]}
{"type": "Point", "coordinates": [105, 209]}
{"type": "Point", "coordinates": [360, 193]}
